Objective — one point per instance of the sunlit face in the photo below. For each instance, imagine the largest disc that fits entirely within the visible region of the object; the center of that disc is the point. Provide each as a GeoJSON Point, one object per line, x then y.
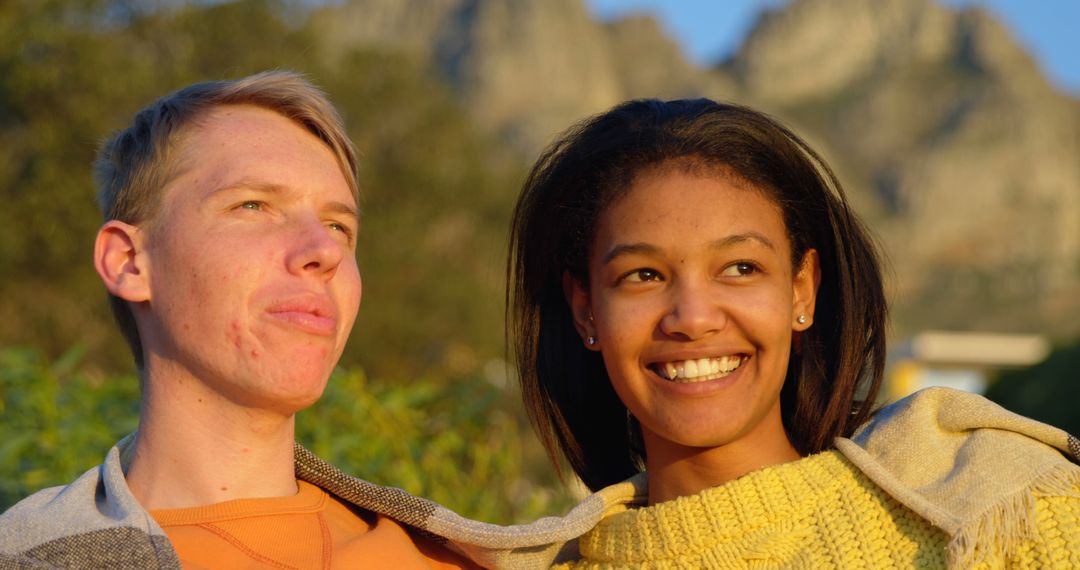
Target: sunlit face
{"type": "Point", "coordinates": [253, 279]}
{"type": "Point", "coordinates": [694, 300]}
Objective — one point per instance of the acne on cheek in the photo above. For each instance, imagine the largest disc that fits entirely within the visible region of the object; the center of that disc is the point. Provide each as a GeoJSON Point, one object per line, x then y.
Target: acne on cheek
{"type": "Point", "coordinates": [234, 334]}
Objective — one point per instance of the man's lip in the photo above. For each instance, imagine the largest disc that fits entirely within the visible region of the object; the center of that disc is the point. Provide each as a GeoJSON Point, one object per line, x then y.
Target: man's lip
{"type": "Point", "coordinates": [315, 315]}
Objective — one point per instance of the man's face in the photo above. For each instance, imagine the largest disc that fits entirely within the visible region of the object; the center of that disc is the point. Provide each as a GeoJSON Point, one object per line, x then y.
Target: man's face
{"type": "Point", "coordinates": [251, 263]}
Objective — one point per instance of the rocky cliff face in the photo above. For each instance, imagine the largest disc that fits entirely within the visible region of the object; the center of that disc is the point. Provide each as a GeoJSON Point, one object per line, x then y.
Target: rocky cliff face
{"type": "Point", "coordinates": [950, 140]}
{"type": "Point", "coordinates": [970, 158]}
{"type": "Point", "coordinates": [527, 69]}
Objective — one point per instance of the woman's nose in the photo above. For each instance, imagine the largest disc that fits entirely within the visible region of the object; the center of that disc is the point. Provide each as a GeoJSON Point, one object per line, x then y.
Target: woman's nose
{"type": "Point", "coordinates": [695, 312]}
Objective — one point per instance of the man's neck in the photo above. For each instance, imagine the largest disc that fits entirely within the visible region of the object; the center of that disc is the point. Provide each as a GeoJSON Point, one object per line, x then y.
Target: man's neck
{"type": "Point", "coordinates": [196, 448]}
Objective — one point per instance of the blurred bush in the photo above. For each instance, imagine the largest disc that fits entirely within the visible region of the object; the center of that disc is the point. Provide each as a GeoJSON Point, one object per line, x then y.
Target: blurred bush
{"type": "Point", "coordinates": [46, 434]}
{"type": "Point", "coordinates": [436, 193]}
{"type": "Point", "coordinates": [1048, 391]}
{"type": "Point", "coordinates": [450, 443]}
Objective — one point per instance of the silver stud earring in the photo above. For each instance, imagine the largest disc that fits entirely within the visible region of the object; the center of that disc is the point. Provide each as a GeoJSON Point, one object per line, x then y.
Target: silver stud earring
{"type": "Point", "coordinates": [591, 341]}
{"type": "Point", "coordinates": [801, 319]}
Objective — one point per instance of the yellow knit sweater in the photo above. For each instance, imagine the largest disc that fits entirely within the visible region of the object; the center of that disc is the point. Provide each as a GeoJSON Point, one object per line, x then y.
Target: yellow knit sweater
{"type": "Point", "coordinates": [818, 512]}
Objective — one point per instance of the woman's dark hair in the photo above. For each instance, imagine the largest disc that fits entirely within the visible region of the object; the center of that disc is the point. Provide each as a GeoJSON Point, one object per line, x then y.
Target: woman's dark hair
{"type": "Point", "coordinates": [836, 365]}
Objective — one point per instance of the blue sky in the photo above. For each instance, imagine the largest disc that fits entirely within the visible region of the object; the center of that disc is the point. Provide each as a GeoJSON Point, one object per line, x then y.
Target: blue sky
{"type": "Point", "coordinates": [711, 29]}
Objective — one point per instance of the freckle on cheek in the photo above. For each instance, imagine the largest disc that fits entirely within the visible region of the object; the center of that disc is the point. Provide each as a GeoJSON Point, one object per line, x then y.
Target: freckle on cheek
{"type": "Point", "coordinates": [254, 354]}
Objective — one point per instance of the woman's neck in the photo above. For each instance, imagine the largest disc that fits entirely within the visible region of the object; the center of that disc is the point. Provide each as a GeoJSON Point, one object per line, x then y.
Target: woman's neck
{"type": "Point", "coordinates": [678, 470]}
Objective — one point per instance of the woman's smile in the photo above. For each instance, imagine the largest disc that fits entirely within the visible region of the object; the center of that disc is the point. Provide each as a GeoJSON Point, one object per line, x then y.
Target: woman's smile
{"type": "Point", "coordinates": [698, 369]}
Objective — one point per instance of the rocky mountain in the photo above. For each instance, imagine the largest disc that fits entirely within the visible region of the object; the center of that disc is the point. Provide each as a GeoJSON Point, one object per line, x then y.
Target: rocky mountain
{"type": "Point", "coordinates": [952, 143]}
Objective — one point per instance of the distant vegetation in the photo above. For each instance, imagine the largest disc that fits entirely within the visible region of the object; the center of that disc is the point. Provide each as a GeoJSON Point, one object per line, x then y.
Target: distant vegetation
{"type": "Point", "coordinates": [1048, 392]}
{"type": "Point", "coordinates": [419, 402]}
{"type": "Point", "coordinates": [453, 443]}
{"type": "Point", "coordinates": [436, 194]}
{"type": "Point", "coordinates": [436, 200]}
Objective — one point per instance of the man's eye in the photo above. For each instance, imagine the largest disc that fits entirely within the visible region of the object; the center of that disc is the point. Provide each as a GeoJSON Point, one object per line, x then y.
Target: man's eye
{"type": "Point", "coordinates": [642, 275]}
{"type": "Point", "coordinates": [340, 228]}
{"type": "Point", "coordinates": [251, 205]}
{"type": "Point", "coordinates": [740, 269]}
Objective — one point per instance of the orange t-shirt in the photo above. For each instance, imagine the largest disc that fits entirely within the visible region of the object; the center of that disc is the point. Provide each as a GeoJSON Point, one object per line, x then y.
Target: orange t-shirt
{"type": "Point", "coordinates": [312, 529]}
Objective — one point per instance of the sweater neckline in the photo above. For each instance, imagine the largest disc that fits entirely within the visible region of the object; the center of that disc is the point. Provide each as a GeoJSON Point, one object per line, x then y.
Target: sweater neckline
{"type": "Point", "coordinates": [744, 506]}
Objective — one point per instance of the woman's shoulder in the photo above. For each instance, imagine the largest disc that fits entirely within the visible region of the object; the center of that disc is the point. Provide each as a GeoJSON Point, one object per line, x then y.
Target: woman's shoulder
{"type": "Point", "coordinates": [937, 431]}
{"type": "Point", "coordinates": [969, 466]}
{"type": "Point", "coordinates": [943, 414]}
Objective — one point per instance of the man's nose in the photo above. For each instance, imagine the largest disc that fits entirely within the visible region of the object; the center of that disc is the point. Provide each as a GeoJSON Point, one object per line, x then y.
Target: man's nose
{"type": "Point", "coordinates": [314, 250]}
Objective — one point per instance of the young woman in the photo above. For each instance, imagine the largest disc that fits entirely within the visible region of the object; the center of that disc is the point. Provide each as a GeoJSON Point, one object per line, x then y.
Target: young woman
{"type": "Point", "coordinates": [695, 309]}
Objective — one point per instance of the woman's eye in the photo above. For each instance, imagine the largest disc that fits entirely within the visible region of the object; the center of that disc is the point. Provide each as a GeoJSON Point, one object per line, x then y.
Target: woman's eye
{"type": "Point", "coordinates": [740, 269]}
{"type": "Point", "coordinates": [642, 275]}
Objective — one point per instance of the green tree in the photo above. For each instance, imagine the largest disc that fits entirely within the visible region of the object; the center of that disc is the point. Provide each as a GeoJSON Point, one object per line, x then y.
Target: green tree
{"type": "Point", "coordinates": [451, 443]}
{"type": "Point", "coordinates": [1048, 391]}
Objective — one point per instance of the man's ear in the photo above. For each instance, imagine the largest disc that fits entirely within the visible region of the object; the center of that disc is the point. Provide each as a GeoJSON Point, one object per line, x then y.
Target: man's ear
{"type": "Point", "coordinates": [577, 296]}
{"type": "Point", "coordinates": [120, 260]}
{"type": "Point", "coordinates": [805, 286]}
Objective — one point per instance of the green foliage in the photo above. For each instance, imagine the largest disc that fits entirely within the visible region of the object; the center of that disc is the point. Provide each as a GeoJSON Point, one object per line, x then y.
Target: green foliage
{"type": "Point", "coordinates": [450, 443]}
{"type": "Point", "coordinates": [1048, 391]}
{"type": "Point", "coordinates": [437, 194]}
{"type": "Point", "coordinates": [58, 419]}
{"type": "Point", "coordinates": [436, 197]}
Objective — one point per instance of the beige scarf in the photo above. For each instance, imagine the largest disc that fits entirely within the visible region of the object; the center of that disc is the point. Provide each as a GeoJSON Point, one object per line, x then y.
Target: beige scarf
{"type": "Point", "coordinates": [967, 465]}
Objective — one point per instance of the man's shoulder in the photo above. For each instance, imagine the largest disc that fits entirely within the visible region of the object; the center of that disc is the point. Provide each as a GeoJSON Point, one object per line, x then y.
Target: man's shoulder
{"type": "Point", "coordinates": [91, 522]}
{"type": "Point", "coordinates": [49, 513]}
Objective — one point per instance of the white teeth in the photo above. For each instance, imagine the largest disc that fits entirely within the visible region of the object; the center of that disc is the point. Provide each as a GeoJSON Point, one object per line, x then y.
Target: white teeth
{"type": "Point", "coordinates": [700, 369]}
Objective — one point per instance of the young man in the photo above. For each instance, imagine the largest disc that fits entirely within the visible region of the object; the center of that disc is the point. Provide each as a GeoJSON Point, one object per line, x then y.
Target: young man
{"type": "Point", "coordinates": [228, 252]}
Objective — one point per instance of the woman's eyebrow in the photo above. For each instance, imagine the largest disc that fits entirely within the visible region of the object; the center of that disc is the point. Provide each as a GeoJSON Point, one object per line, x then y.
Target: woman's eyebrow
{"type": "Point", "coordinates": [736, 239]}
{"type": "Point", "coordinates": [721, 243]}
{"type": "Point", "coordinates": [629, 249]}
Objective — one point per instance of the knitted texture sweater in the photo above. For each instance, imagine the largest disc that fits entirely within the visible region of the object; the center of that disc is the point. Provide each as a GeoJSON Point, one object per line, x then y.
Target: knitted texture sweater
{"type": "Point", "coordinates": [997, 487]}
{"type": "Point", "coordinates": [819, 512]}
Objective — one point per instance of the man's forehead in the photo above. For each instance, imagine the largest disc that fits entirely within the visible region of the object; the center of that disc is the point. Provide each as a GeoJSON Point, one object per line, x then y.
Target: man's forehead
{"type": "Point", "coordinates": [240, 128]}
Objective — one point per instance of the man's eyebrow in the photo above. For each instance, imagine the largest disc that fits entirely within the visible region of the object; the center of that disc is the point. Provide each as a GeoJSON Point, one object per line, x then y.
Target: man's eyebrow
{"type": "Point", "coordinates": [343, 208]}
{"type": "Point", "coordinates": [271, 188]}
{"type": "Point", "coordinates": [251, 186]}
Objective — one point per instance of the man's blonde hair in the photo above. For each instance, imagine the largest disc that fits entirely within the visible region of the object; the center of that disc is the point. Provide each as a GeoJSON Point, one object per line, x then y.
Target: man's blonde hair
{"type": "Point", "coordinates": [136, 163]}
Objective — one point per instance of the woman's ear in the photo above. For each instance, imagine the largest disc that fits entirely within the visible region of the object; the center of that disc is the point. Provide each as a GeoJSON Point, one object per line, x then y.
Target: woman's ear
{"type": "Point", "coordinates": [120, 260]}
{"type": "Point", "coordinates": [805, 285]}
{"type": "Point", "coordinates": [577, 296]}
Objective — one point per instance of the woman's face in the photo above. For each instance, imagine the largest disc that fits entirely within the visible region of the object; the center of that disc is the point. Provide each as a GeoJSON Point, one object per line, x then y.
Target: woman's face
{"type": "Point", "coordinates": [693, 300]}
